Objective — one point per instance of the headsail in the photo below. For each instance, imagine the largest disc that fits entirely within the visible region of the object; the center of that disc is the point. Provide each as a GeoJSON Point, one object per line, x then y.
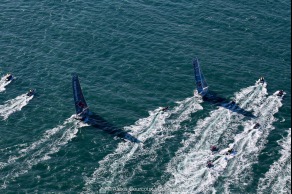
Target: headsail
{"type": "Point", "coordinates": [80, 103]}
{"type": "Point", "coordinates": [201, 83]}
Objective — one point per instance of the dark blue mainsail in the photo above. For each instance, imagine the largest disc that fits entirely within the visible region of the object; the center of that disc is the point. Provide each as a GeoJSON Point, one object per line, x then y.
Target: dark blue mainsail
{"type": "Point", "coordinates": [92, 119]}
{"type": "Point", "coordinates": [79, 100]}
{"type": "Point", "coordinates": [201, 83]}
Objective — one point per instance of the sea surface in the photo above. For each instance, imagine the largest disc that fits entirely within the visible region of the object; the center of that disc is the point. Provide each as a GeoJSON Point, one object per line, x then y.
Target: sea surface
{"type": "Point", "coordinates": [133, 58]}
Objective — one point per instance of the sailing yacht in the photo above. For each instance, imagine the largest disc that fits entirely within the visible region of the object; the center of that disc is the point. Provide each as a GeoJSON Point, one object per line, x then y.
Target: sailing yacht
{"type": "Point", "coordinates": [82, 110]}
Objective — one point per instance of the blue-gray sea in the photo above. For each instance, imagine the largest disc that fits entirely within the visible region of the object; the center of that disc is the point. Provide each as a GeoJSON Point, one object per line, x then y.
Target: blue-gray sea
{"type": "Point", "coordinates": [132, 58]}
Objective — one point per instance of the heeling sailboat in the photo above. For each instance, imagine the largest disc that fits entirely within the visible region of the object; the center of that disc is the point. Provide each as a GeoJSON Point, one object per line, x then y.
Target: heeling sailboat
{"type": "Point", "coordinates": [81, 107]}
{"type": "Point", "coordinates": [83, 114]}
{"type": "Point", "coordinates": [202, 86]}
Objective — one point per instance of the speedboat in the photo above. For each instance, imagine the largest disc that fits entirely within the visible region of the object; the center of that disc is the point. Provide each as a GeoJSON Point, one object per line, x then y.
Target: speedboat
{"type": "Point", "coordinates": [30, 93]}
{"type": "Point", "coordinates": [8, 78]}
{"type": "Point", "coordinates": [280, 93]}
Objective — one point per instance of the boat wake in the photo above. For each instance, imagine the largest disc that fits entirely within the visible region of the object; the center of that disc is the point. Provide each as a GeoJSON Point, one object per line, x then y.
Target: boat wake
{"type": "Point", "coordinates": [278, 178]}
{"type": "Point", "coordinates": [14, 105]}
{"type": "Point", "coordinates": [188, 169]}
{"type": "Point", "coordinates": [51, 142]}
{"type": "Point", "coordinates": [151, 131]}
{"type": "Point", "coordinates": [4, 83]}
{"type": "Point", "coordinates": [249, 144]}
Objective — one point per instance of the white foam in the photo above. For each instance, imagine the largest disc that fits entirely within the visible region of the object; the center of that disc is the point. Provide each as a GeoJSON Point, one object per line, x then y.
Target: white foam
{"type": "Point", "coordinates": [4, 83]}
{"type": "Point", "coordinates": [111, 168]}
{"type": "Point", "coordinates": [51, 142]}
{"type": "Point", "coordinates": [278, 179]}
{"type": "Point", "coordinates": [188, 167]}
{"type": "Point", "coordinates": [8, 149]}
{"type": "Point", "coordinates": [250, 143]}
{"type": "Point", "coordinates": [14, 105]}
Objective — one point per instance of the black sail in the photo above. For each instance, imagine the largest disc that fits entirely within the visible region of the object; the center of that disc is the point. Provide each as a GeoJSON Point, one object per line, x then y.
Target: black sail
{"type": "Point", "coordinates": [80, 103]}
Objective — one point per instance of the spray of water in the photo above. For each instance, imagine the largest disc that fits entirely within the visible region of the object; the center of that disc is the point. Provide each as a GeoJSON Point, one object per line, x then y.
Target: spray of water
{"type": "Point", "coordinates": [249, 144]}
{"type": "Point", "coordinates": [51, 142]}
{"type": "Point", "coordinates": [278, 178]}
{"type": "Point", "coordinates": [14, 105]}
{"type": "Point", "coordinates": [153, 129]}
{"type": "Point", "coordinates": [4, 83]}
{"type": "Point", "coordinates": [188, 168]}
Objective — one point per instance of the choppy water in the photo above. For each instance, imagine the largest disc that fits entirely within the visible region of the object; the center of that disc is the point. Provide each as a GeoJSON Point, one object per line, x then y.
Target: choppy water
{"type": "Point", "coordinates": [134, 57]}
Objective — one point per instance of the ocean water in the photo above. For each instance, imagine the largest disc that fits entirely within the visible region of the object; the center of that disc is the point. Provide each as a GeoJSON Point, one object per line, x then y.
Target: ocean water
{"type": "Point", "coordinates": [132, 58]}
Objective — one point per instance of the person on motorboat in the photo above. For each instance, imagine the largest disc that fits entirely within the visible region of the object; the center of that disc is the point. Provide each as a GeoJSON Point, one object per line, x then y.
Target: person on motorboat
{"type": "Point", "coordinates": [214, 148]}
{"type": "Point", "coordinates": [256, 126]}
{"type": "Point", "coordinates": [164, 109]}
{"type": "Point", "coordinates": [30, 93]}
{"type": "Point", "coordinates": [280, 93]}
{"type": "Point", "coordinates": [8, 77]}
{"type": "Point", "coordinates": [210, 164]}
{"type": "Point", "coordinates": [262, 80]}
{"type": "Point", "coordinates": [230, 151]}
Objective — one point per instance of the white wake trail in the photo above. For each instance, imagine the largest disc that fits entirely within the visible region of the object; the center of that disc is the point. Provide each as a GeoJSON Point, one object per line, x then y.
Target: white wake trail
{"type": "Point", "coordinates": [51, 142]}
{"type": "Point", "coordinates": [4, 83]}
{"type": "Point", "coordinates": [188, 167]}
{"type": "Point", "coordinates": [250, 143]}
{"type": "Point", "coordinates": [152, 128]}
{"type": "Point", "coordinates": [278, 179]}
{"type": "Point", "coordinates": [14, 105]}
